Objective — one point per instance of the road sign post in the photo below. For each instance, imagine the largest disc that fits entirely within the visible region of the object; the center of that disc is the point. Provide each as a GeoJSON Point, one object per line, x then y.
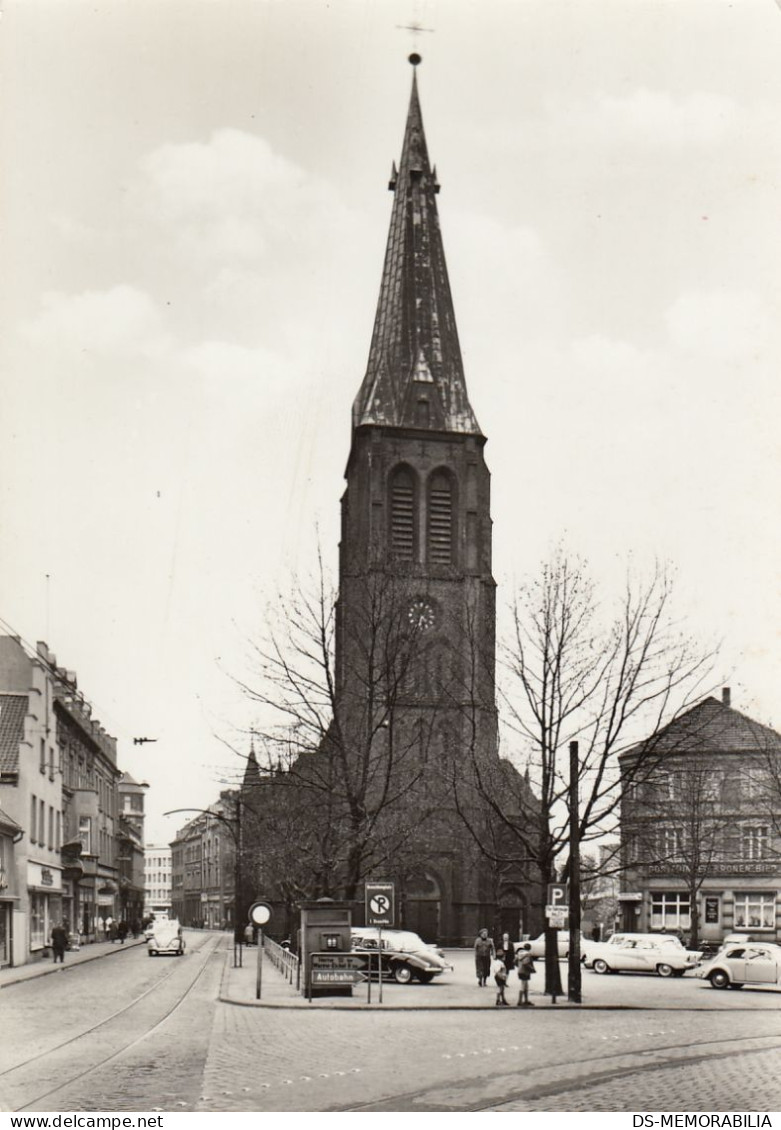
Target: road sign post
{"type": "Point", "coordinates": [259, 914]}
{"type": "Point", "coordinates": [380, 911]}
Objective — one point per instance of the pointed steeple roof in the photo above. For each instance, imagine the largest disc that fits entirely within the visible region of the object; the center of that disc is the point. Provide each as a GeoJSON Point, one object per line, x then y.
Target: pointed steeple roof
{"type": "Point", "coordinates": [415, 376]}
{"type": "Point", "coordinates": [252, 778]}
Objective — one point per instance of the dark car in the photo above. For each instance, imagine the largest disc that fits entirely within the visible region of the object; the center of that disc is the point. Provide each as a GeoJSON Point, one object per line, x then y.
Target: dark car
{"type": "Point", "coordinates": [404, 955]}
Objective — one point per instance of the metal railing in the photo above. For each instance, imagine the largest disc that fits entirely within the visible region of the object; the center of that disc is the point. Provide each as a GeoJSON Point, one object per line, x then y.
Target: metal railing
{"type": "Point", "coordinates": [286, 962]}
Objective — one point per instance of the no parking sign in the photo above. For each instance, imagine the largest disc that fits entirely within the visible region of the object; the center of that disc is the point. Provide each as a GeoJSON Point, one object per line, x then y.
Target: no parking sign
{"type": "Point", "coordinates": [380, 904]}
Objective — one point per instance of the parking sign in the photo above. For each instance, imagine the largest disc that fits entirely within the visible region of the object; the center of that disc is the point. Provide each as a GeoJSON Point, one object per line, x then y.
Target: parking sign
{"type": "Point", "coordinates": [558, 896]}
{"type": "Point", "coordinates": [380, 904]}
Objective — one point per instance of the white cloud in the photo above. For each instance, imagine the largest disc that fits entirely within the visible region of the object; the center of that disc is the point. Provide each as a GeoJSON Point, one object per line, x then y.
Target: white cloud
{"type": "Point", "coordinates": [119, 321]}
{"type": "Point", "coordinates": [232, 197]}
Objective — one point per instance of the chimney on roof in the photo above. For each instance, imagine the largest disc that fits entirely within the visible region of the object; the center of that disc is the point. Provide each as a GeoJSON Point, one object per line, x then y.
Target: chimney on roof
{"type": "Point", "coordinates": [725, 696]}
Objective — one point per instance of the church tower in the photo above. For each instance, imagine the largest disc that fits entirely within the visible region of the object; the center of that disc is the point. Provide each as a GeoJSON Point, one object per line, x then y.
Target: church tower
{"type": "Point", "coordinates": [416, 523]}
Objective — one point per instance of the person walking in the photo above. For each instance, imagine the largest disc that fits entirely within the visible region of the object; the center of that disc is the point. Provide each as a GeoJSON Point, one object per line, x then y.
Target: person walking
{"type": "Point", "coordinates": [507, 953]}
{"type": "Point", "coordinates": [59, 943]}
{"type": "Point", "coordinates": [122, 931]}
{"type": "Point", "coordinates": [524, 963]}
{"type": "Point", "coordinates": [484, 951]}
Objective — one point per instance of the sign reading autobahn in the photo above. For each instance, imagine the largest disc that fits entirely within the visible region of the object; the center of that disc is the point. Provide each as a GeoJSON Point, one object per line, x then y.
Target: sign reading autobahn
{"type": "Point", "coordinates": [380, 904]}
{"type": "Point", "coordinates": [337, 969]}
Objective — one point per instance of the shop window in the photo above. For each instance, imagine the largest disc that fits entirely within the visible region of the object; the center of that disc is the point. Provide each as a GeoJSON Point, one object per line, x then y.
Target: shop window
{"type": "Point", "coordinates": [755, 911]}
{"type": "Point", "coordinates": [37, 919]}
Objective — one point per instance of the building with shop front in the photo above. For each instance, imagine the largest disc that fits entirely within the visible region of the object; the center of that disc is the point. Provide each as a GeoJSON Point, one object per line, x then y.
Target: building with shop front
{"type": "Point", "coordinates": [130, 840]}
{"type": "Point", "coordinates": [58, 794]}
{"type": "Point", "coordinates": [31, 797]}
{"type": "Point", "coordinates": [699, 827]}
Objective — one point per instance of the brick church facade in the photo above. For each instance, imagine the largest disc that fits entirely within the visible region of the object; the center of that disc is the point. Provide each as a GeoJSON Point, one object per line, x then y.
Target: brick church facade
{"type": "Point", "coordinates": [415, 620]}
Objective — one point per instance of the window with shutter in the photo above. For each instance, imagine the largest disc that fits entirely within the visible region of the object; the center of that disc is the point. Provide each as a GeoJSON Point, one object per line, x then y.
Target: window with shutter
{"type": "Point", "coordinates": [402, 514]}
{"type": "Point", "coordinates": [440, 519]}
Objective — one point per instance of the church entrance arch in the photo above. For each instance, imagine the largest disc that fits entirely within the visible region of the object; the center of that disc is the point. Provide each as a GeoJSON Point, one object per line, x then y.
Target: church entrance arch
{"type": "Point", "coordinates": [513, 913]}
{"type": "Point", "coordinates": [422, 910]}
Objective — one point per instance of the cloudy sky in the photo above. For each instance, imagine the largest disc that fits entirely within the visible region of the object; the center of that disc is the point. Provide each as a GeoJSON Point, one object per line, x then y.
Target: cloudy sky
{"type": "Point", "coordinates": [193, 224]}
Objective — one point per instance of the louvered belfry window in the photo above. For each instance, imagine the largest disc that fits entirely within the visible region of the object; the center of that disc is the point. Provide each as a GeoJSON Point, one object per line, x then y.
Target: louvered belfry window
{"type": "Point", "coordinates": [402, 517]}
{"type": "Point", "coordinates": [440, 519]}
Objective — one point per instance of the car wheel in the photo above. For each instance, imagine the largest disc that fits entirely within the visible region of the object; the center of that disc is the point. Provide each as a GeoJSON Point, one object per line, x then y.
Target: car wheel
{"type": "Point", "coordinates": [601, 966]}
{"type": "Point", "coordinates": [151, 953]}
{"type": "Point", "coordinates": [664, 970]}
{"type": "Point", "coordinates": [424, 976]}
{"type": "Point", "coordinates": [719, 979]}
{"type": "Point", "coordinates": [402, 974]}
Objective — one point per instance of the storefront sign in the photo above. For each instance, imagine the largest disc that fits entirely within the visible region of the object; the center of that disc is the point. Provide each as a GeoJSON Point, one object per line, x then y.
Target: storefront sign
{"type": "Point", "coordinates": [711, 910]}
{"type": "Point", "coordinates": [42, 877]}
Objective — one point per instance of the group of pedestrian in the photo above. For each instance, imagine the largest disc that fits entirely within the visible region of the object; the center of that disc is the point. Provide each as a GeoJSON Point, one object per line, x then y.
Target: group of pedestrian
{"type": "Point", "coordinates": [499, 963]}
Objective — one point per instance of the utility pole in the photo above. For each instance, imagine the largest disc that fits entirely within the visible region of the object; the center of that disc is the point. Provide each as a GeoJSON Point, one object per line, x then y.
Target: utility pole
{"type": "Point", "coordinates": [573, 971]}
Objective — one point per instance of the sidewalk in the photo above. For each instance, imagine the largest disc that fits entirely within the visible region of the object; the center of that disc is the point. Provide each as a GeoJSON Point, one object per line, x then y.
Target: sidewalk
{"type": "Point", "coordinates": [456, 990]}
{"type": "Point", "coordinates": [459, 991]}
{"type": "Point", "coordinates": [42, 968]}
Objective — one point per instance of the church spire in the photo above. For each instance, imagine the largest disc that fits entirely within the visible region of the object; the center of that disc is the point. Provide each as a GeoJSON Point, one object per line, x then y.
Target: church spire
{"type": "Point", "coordinates": [415, 376]}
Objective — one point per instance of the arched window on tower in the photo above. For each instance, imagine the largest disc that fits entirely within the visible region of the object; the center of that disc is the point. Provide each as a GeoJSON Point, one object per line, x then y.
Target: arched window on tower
{"type": "Point", "coordinates": [441, 519]}
{"type": "Point", "coordinates": [403, 510]}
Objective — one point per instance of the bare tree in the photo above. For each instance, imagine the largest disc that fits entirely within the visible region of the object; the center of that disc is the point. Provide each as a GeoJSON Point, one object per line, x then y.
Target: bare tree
{"type": "Point", "coordinates": [344, 752]}
{"type": "Point", "coordinates": [574, 673]}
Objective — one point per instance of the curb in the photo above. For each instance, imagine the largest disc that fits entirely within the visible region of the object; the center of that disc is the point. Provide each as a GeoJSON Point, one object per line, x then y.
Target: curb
{"type": "Point", "coordinates": [564, 1005]}
{"type": "Point", "coordinates": [46, 970]}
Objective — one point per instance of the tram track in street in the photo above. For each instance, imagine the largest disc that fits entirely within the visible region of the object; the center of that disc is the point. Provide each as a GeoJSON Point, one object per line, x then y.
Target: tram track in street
{"type": "Point", "coordinates": [59, 1058]}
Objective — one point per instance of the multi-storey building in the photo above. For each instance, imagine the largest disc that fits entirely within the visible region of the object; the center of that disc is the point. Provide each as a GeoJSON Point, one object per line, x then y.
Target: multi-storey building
{"type": "Point", "coordinates": [699, 827]}
{"type": "Point", "coordinates": [187, 873]}
{"type": "Point", "coordinates": [130, 838]}
{"type": "Point", "coordinates": [157, 879]}
{"type": "Point", "coordinates": [203, 858]}
{"type": "Point", "coordinates": [58, 786]}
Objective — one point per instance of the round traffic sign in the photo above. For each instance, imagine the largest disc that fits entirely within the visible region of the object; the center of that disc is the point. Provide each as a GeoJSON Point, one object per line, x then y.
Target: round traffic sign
{"type": "Point", "coordinates": [259, 913]}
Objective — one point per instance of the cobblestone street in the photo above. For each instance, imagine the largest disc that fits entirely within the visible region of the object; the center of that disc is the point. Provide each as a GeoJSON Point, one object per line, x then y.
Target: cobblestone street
{"type": "Point", "coordinates": [130, 1034]}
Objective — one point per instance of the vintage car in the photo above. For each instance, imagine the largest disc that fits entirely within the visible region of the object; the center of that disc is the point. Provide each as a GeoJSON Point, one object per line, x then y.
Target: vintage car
{"type": "Point", "coordinates": [404, 955]}
{"type": "Point", "coordinates": [663, 954]}
{"type": "Point", "coordinates": [166, 937]}
{"type": "Point", "coordinates": [562, 940]}
{"type": "Point", "coordinates": [743, 963]}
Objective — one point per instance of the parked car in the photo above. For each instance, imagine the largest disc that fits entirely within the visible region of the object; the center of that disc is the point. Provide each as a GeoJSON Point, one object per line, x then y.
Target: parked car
{"type": "Point", "coordinates": [562, 940]}
{"type": "Point", "coordinates": [166, 937]}
{"type": "Point", "coordinates": [663, 954]}
{"type": "Point", "coordinates": [404, 955]}
{"type": "Point", "coordinates": [743, 963]}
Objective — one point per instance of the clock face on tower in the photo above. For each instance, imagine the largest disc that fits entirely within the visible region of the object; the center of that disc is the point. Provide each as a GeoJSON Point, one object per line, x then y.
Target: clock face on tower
{"type": "Point", "coordinates": [421, 614]}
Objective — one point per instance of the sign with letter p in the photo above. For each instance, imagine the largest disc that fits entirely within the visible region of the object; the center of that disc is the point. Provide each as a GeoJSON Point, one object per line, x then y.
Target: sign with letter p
{"type": "Point", "coordinates": [558, 896]}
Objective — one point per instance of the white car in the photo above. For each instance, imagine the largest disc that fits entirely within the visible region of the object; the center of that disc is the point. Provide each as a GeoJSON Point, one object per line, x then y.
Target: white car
{"type": "Point", "coordinates": [537, 945]}
{"type": "Point", "coordinates": [663, 954]}
{"type": "Point", "coordinates": [166, 937]}
{"type": "Point", "coordinates": [743, 963]}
